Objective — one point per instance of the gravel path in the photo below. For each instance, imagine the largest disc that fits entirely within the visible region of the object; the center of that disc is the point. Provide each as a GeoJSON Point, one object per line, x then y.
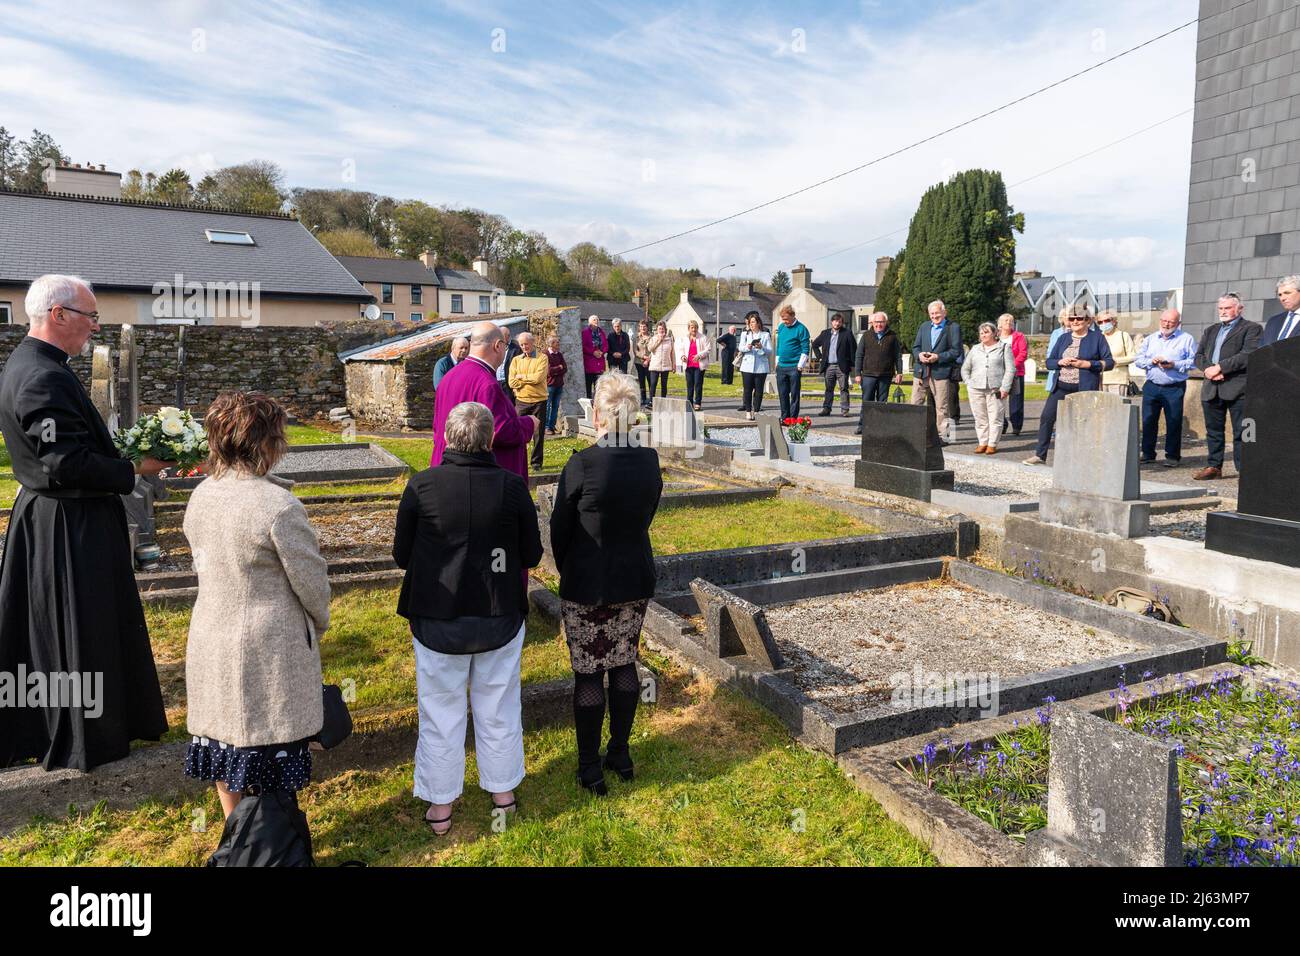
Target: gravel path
{"type": "Point", "coordinates": [748, 437]}
{"type": "Point", "coordinates": [845, 648]}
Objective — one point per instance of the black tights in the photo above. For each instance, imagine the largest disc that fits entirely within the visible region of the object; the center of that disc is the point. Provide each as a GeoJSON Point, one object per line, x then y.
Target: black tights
{"type": "Point", "coordinates": [589, 713]}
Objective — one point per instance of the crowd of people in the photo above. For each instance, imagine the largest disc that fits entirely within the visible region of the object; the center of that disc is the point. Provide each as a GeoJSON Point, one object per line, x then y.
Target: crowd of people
{"type": "Point", "coordinates": [467, 530]}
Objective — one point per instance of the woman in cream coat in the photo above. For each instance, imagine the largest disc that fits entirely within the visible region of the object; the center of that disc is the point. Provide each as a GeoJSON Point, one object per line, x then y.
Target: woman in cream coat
{"type": "Point", "coordinates": [252, 664]}
{"type": "Point", "coordinates": [988, 373]}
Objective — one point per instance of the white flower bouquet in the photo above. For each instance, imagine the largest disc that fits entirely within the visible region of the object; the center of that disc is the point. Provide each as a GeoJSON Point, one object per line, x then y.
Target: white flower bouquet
{"type": "Point", "coordinates": [169, 435]}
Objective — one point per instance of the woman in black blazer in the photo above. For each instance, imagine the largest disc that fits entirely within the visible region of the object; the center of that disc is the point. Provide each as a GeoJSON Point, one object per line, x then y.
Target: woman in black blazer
{"type": "Point", "coordinates": [466, 535]}
{"type": "Point", "coordinates": [600, 539]}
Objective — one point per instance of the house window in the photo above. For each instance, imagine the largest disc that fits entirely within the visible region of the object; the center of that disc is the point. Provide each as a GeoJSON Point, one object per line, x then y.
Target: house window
{"type": "Point", "coordinates": [388, 317]}
{"type": "Point", "coordinates": [229, 238]}
{"type": "Point", "coordinates": [457, 303]}
{"type": "Point", "coordinates": [417, 295]}
{"type": "Point", "coordinates": [485, 303]}
{"type": "Point", "coordinates": [6, 313]}
{"type": "Point", "coordinates": [417, 316]}
{"type": "Point", "coordinates": [386, 290]}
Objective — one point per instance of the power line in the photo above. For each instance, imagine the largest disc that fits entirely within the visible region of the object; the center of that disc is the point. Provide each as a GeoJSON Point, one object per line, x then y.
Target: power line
{"type": "Point", "coordinates": [911, 146]}
{"type": "Point", "coordinates": [1038, 175]}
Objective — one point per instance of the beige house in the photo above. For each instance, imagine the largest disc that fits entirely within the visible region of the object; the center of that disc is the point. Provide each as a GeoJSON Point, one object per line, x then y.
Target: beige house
{"type": "Point", "coordinates": [402, 288]}
{"type": "Point", "coordinates": [815, 303]}
{"type": "Point", "coordinates": [155, 264]}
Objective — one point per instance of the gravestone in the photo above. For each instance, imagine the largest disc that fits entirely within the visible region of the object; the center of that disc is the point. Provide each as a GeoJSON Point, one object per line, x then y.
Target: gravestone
{"type": "Point", "coordinates": [771, 438]}
{"type": "Point", "coordinates": [672, 423]}
{"type": "Point", "coordinates": [1112, 797]}
{"type": "Point", "coordinates": [734, 626]}
{"type": "Point", "coordinates": [587, 417]}
{"type": "Point", "coordinates": [1266, 524]}
{"type": "Point", "coordinates": [901, 452]}
{"type": "Point", "coordinates": [128, 379]}
{"type": "Point", "coordinates": [103, 387]}
{"type": "Point", "coordinates": [1031, 371]}
{"type": "Point", "coordinates": [1095, 482]}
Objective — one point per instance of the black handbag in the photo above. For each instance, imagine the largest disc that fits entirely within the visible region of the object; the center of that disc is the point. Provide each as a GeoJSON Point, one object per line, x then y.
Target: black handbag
{"type": "Point", "coordinates": [338, 721]}
{"type": "Point", "coordinates": [266, 829]}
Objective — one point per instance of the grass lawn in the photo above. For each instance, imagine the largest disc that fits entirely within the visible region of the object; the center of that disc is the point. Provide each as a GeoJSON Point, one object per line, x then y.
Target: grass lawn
{"type": "Point", "coordinates": [748, 524]}
{"type": "Point", "coordinates": [366, 644]}
{"type": "Point", "coordinates": [416, 451]}
{"type": "Point", "coordinates": [718, 783]}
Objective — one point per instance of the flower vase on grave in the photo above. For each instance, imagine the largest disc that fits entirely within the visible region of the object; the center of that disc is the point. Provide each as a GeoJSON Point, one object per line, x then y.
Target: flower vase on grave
{"type": "Point", "coordinates": [800, 451]}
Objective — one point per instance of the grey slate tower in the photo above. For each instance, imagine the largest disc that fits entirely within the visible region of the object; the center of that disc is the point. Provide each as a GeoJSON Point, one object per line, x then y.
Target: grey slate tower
{"type": "Point", "coordinates": [1243, 216]}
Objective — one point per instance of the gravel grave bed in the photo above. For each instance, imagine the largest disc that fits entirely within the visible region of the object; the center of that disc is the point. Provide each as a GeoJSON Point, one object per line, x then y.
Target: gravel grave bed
{"type": "Point", "coordinates": [844, 648]}
{"type": "Point", "coordinates": [748, 438]}
{"type": "Point", "coordinates": [986, 479]}
{"type": "Point", "coordinates": [1181, 524]}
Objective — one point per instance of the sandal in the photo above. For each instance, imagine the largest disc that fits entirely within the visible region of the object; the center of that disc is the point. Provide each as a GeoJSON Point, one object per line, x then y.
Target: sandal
{"type": "Point", "coordinates": [435, 821]}
{"type": "Point", "coordinates": [511, 807]}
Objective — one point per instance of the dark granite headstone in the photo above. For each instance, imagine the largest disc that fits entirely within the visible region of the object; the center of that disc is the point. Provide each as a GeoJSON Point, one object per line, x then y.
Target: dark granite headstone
{"type": "Point", "coordinates": [1266, 524]}
{"type": "Point", "coordinates": [901, 452]}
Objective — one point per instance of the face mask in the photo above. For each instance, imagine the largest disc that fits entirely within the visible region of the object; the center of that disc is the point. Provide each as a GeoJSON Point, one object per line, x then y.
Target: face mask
{"type": "Point", "coordinates": [1108, 327]}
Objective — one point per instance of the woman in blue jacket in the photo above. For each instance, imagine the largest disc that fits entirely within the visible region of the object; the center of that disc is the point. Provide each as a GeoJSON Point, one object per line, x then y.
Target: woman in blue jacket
{"type": "Point", "coordinates": [1078, 359]}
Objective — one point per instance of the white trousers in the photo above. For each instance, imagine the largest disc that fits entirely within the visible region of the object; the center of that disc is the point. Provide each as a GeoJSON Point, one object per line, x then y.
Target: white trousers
{"type": "Point", "coordinates": [492, 679]}
{"type": "Point", "coordinates": [989, 412]}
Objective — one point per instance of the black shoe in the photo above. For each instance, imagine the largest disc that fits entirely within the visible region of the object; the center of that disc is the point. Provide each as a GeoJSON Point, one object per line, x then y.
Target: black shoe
{"type": "Point", "coordinates": [1172, 462]}
{"type": "Point", "coordinates": [1146, 461]}
{"type": "Point", "coordinates": [823, 414]}
{"type": "Point", "coordinates": [593, 779]}
{"type": "Point", "coordinates": [621, 764]}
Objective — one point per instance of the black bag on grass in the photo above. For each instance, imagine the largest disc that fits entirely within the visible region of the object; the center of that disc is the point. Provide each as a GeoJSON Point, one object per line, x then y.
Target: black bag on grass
{"type": "Point", "coordinates": [266, 829]}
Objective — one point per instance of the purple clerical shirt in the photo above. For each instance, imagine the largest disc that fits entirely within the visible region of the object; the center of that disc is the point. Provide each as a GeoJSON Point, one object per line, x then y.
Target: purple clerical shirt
{"type": "Point", "coordinates": [473, 380]}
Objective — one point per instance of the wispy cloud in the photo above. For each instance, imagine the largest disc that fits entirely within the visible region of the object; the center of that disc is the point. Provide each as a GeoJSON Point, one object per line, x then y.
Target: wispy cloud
{"type": "Point", "coordinates": [619, 123]}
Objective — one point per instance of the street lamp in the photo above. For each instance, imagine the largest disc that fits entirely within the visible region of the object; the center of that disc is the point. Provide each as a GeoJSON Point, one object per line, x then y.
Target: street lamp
{"type": "Point", "coordinates": [717, 305]}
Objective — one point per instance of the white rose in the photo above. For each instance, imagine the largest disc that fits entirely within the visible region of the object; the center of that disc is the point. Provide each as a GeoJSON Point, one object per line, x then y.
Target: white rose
{"type": "Point", "coordinates": [172, 427]}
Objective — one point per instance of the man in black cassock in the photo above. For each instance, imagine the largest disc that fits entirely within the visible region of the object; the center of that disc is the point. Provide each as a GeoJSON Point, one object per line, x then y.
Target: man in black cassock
{"type": "Point", "coordinates": [727, 354]}
{"type": "Point", "coordinates": [68, 598]}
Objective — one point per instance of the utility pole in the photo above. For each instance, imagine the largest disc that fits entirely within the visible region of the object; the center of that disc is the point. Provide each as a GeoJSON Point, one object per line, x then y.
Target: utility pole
{"type": "Point", "coordinates": [717, 306]}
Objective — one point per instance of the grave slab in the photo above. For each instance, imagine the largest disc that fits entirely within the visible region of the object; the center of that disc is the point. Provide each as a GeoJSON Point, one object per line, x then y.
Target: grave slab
{"type": "Point", "coordinates": [735, 626]}
{"type": "Point", "coordinates": [901, 453]}
{"type": "Point", "coordinates": [1112, 797]}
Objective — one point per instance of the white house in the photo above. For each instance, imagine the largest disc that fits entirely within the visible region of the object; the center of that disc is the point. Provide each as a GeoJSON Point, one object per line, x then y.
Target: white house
{"type": "Point", "coordinates": [815, 303]}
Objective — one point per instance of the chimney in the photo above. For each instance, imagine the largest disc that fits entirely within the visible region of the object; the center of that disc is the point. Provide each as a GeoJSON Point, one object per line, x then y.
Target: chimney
{"type": "Point", "coordinates": [481, 266]}
{"type": "Point", "coordinates": [801, 277]}
{"type": "Point", "coordinates": [1029, 274]}
{"type": "Point", "coordinates": [882, 266]}
{"type": "Point", "coordinates": [638, 299]}
{"type": "Point", "coordinates": [88, 180]}
{"type": "Point", "coordinates": [686, 295]}
{"type": "Point", "coordinates": [747, 290]}
{"type": "Point", "coordinates": [430, 259]}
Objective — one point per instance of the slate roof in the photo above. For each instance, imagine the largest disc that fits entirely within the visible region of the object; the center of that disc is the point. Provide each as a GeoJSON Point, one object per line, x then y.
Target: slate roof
{"type": "Point", "coordinates": [1034, 288]}
{"type": "Point", "coordinates": [842, 297]}
{"type": "Point", "coordinates": [629, 312]}
{"type": "Point", "coordinates": [1136, 300]}
{"type": "Point", "coordinates": [463, 280]}
{"type": "Point", "coordinates": [123, 245]}
{"type": "Point", "coordinates": [377, 269]}
{"type": "Point", "coordinates": [733, 311]}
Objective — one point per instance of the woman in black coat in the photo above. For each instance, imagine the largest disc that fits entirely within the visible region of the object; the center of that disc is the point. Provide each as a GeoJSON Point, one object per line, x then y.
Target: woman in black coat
{"type": "Point", "coordinates": [600, 539]}
{"type": "Point", "coordinates": [466, 535]}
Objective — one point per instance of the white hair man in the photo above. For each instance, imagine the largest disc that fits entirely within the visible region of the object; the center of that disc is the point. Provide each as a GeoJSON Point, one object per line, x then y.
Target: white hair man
{"type": "Point", "coordinates": [69, 608]}
{"type": "Point", "coordinates": [1286, 323]}
{"type": "Point", "coordinates": [1166, 356]}
{"type": "Point", "coordinates": [459, 349]}
{"type": "Point", "coordinates": [936, 358]}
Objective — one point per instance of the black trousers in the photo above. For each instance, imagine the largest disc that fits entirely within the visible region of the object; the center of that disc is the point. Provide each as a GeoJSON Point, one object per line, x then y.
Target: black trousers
{"type": "Point", "coordinates": [591, 381]}
{"type": "Point", "coordinates": [659, 380]}
{"type": "Point", "coordinates": [539, 439]}
{"type": "Point", "coordinates": [752, 390]}
{"type": "Point", "coordinates": [1215, 429]}
{"type": "Point", "coordinates": [643, 380]}
{"type": "Point", "coordinates": [694, 385]}
{"type": "Point", "coordinates": [1016, 406]}
{"type": "Point", "coordinates": [727, 357]}
{"type": "Point", "coordinates": [1047, 421]}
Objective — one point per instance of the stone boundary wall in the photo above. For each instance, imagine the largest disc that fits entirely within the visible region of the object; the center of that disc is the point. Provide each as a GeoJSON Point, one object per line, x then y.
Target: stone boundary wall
{"type": "Point", "coordinates": [298, 366]}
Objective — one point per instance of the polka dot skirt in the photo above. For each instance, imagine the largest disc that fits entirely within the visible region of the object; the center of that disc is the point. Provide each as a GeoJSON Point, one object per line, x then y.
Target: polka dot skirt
{"type": "Point", "coordinates": [273, 767]}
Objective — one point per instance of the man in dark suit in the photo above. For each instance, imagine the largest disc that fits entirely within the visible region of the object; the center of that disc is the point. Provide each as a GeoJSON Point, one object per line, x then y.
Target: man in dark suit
{"type": "Point", "coordinates": [835, 349]}
{"type": "Point", "coordinates": [618, 346]}
{"type": "Point", "coordinates": [936, 353]}
{"type": "Point", "coordinates": [459, 349]}
{"type": "Point", "coordinates": [1222, 356]}
{"type": "Point", "coordinates": [503, 372]}
{"type": "Point", "coordinates": [727, 353]}
{"type": "Point", "coordinates": [1286, 324]}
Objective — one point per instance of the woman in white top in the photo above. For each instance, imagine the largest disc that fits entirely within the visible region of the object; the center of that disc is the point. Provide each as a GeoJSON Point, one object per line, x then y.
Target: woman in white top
{"type": "Point", "coordinates": [662, 356]}
{"type": "Point", "coordinates": [988, 372]}
{"type": "Point", "coordinates": [755, 352]}
{"type": "Point", "coordinates": [692, 360]}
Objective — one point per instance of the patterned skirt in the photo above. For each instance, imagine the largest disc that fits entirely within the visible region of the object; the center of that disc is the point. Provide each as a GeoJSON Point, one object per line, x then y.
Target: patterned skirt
{"type": "Point", "coordinates": [602, 636]}
{"type": "Point", "coordinates": [273, 767]}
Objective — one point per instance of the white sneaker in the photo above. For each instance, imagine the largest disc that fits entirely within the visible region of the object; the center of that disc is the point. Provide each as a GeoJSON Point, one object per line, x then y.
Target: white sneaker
{"type": "Point", "coordinates": [1034, 460]}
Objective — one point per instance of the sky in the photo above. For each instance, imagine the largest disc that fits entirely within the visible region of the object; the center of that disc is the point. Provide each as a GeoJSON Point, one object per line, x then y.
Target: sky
{"type": "Point", "coordinates": [622, 123]}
